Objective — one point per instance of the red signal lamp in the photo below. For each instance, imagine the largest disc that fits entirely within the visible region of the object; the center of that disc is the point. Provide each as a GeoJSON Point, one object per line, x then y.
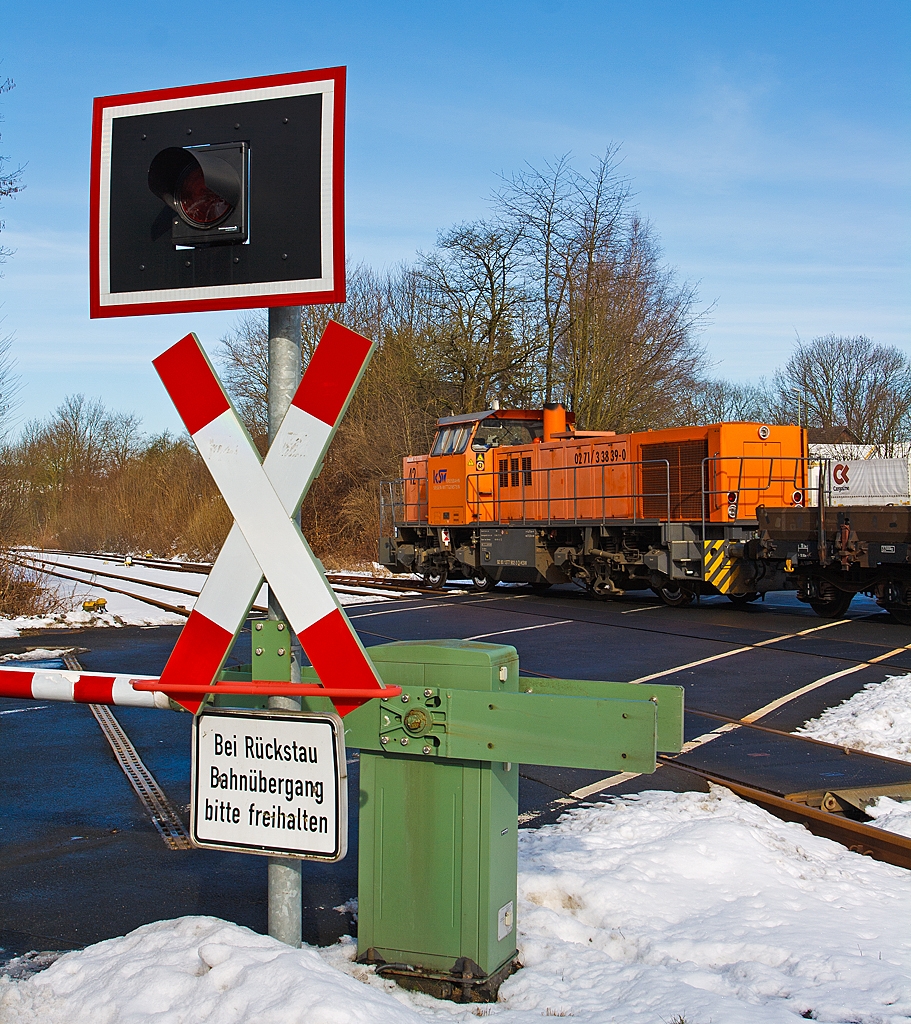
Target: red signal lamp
{"type": "Point", "coordinates": [206, 187]}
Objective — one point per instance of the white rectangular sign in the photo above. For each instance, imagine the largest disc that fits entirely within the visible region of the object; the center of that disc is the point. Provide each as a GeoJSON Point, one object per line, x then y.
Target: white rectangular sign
{"type": "Point", "coordinates": [272, 783]}
{"type": "Point", "coordinates": [869, 482]}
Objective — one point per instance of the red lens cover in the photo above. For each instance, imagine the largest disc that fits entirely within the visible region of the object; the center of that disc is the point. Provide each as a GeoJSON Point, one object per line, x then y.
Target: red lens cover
{"type": "Point", "coordinates": [198, 203]}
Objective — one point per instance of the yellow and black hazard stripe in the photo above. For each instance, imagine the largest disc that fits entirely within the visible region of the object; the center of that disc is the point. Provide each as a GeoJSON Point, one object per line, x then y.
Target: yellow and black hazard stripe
{"type": "Point", "coordinates": [724, 573]}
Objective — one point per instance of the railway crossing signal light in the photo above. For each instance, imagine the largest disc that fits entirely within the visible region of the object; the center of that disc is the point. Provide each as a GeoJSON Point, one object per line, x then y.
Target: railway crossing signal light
{"type": "Point", "coordinates": [205, 188]}
{"type": "Point", "coordinates": [227, 195]}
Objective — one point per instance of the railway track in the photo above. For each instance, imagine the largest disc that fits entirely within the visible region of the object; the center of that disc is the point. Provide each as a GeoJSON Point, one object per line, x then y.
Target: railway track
{"type": "Point", "coordinates": [826, 808]}
{"type": "Point", "coordinates": [163, 813]}
{"type": "Point", "coordinates": [341, 583]}
{"type": "Point", "coordinates": [145, 599]}
{"type": "Point", "coordinates": [779, 642]}
{"type": "Point", "coordinates": [798, 802]}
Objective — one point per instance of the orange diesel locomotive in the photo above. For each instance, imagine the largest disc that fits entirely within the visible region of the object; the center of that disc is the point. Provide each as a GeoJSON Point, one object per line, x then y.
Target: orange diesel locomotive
{"type": "Point", "coordinates": [521, 496]}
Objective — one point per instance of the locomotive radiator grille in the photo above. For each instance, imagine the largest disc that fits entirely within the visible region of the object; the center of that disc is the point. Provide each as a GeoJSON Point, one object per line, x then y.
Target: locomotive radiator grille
{"type": "Point", "coordinates": [685, 467]}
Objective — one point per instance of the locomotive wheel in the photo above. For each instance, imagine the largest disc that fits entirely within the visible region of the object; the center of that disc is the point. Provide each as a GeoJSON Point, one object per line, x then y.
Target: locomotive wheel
{"type": "Point", "coordinates": [435, 577]}
{"type": "Point", "coordinates": [834, 605]}
{"type": "Point", "coordinates": [740, 599]}
{"type": "Point", "coordinates": [480, 581]}
{"type": "Point", "coordinates": [674, 595]}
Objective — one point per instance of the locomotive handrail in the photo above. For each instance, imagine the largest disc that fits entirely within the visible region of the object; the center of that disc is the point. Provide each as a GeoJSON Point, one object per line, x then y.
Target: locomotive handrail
{"type": "Point", "coordinates": [758, 489]}
{"type": "Point", "coordinates": [523, 478]}
{"type": "Point", "coordinates": [485, 490]}
{"type": "Point", "coordinates": [401, 502]}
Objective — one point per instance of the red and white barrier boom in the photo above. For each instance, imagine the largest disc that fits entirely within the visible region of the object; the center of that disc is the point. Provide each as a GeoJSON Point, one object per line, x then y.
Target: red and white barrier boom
{"type": "Point", "coordinates": [265, 541]}
{"type": "Point", "coordinates": [79, 687]}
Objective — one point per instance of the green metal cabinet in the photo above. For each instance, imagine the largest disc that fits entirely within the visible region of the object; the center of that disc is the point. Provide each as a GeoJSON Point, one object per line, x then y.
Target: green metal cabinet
{"type": "Point", "coordinates": [438, 821]}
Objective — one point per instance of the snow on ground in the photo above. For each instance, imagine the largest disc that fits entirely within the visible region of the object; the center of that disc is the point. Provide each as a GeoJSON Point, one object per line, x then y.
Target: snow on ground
{"type": "Point", "coordinates": [37, 654]}
{"type": "Point", "coordinates": [878, 719]}
{"type": "Point", "coordinates": [653, 908]}
{"type": "Point", "coordinates": [891, 815]}
{"type": "Point", "coordinates": [120, 609]}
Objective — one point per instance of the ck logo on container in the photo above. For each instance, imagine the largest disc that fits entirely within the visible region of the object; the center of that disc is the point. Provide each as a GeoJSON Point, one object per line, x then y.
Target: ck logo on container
{"type": "Point", "coordinates": [840, 474]}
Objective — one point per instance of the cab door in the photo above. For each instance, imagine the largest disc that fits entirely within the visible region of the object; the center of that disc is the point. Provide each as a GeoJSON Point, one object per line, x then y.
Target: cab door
{"type": "Point", "coordinates": [480, 485]}
{"type": "Point", "coordinates": [446, 485]}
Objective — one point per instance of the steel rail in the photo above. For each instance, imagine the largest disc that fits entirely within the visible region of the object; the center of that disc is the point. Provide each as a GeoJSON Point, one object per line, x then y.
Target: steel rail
{"type": "Point", "coordinates": [107, 575]}
{"type": "Point", "coordinates": [176, 609]}
{"type": "Point", "coordinates": [160, 809]}
{"type": "Point", "coordinates": [111, 556]}
{"type": "Point", "coordinates": [339, 582]}
{"type": "Point", "coordinates": [799, 736]}
{"type": "Point", "coordinates": [856, 836]}
{"type": "Point", "coordinates": [381, 583]}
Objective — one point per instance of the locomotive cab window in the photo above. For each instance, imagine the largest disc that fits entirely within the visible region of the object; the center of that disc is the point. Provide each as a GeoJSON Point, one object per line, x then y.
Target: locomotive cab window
{"type": "Point", "coordinates": [502, 433]}
{"type": "Point", "coordinates": [451, 440]}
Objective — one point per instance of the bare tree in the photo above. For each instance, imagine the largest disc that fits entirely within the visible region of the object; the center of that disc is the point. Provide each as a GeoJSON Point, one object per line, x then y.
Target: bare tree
{"type": "Point", "coordinates": [617, 331]}
{"type": "Point", "coordinates": [475, 296]}
{"type": "Point", "coordinates": [10, 387]}
{"type": "Point", "coordinates": [82, 439]}
{"type": "Point", "coordinates": [724, 401]}
{"type": "Point", "coordinates": [540, 203]}
{"type": "Point", "coordinates": [630, 352]}
{"type": "Point", "coordinates": [848, 382]}
{"type": "Point", "coordinates": [244, 358]}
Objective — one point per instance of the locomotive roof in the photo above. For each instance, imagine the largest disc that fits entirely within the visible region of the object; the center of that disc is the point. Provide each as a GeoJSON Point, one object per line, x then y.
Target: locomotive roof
{"type": "Point", "coordinates": [493, 414]}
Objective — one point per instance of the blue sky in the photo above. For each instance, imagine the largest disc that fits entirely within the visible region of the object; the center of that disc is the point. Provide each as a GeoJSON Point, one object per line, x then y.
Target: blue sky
{"type": "Point", "coordinates": [767, 142]}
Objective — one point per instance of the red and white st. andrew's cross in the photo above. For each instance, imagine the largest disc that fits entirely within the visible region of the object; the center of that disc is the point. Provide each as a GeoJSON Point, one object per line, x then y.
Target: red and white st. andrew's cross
{"type": "Point", "coordinates": [263, 497]}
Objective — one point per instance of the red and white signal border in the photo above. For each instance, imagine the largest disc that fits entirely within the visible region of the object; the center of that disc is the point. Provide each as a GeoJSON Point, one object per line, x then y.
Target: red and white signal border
{"type": "Point", "coordinates": [330, 83]}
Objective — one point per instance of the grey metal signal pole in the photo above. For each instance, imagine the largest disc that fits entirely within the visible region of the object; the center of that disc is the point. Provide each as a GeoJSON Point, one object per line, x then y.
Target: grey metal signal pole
{"type": "Point", "coordinates": [284, 376]}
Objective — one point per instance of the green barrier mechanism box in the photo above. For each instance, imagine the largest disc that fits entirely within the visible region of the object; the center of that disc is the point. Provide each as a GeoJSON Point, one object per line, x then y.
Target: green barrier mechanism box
{"type": "Point", "coordinates": [439, 769]}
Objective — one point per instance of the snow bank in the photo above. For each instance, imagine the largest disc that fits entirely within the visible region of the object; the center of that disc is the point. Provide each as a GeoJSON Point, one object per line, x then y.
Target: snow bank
{"type": "Point", "coordinates": [195, 969]}
{"type": "Point", "coordinates": [878, 719]}
{"type": "Point", "coordinates": [653, 908]}
{"type": "Point", "coordinates": [705, 906]}
{"type": "Point", "coordinates": [892, 815]}
{"type": "Point", "coordinates": [38, 654]}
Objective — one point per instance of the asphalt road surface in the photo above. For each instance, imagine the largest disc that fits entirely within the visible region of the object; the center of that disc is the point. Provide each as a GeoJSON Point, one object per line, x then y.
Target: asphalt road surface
{"type": "Point", "coordinates": [80, 860]}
